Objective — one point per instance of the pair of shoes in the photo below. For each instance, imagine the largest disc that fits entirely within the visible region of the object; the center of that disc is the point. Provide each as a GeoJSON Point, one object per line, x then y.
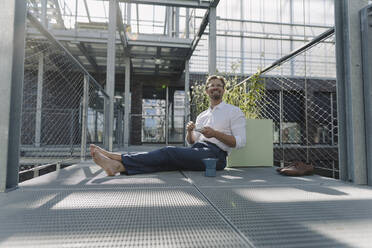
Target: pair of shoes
{"type": "Point", "coordinates": [297, 169]}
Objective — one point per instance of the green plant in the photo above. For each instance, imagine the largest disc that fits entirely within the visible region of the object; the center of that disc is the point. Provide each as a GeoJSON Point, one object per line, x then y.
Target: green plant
{"type": "Point", "coordinates": [247, 96]}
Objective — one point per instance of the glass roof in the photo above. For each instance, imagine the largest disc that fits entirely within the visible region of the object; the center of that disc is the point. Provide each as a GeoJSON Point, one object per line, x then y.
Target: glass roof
{"type": "Point", "coordinates": [249, 32]}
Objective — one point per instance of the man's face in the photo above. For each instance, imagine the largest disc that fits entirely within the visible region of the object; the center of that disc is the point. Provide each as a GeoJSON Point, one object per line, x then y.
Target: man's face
{"type": "Point", "coordinates": [215, 89]}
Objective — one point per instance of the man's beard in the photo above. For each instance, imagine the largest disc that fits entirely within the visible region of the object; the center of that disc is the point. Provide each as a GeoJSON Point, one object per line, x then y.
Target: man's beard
{"type": "Point", "coordinates": [216, 97]}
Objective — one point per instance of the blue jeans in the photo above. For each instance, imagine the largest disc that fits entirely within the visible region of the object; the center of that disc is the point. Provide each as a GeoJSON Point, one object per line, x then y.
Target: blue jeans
{"type": "Point", "coordinates": [174, 158]}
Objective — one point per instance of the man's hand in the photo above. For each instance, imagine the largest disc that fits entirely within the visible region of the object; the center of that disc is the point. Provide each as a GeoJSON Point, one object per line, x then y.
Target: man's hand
{"type": "Point", "coordinates": [208, 132]}
{"type": "Point", "coordinates": [190, 126]}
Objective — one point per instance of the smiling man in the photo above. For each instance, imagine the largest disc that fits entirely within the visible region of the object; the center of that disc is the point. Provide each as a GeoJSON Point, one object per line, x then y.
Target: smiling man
{"type": "Point", "coordinates": [215, 133]}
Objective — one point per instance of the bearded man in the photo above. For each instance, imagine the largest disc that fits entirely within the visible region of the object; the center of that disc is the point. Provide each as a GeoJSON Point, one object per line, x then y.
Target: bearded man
{"type": "Point", "coordinates": [215, 133]}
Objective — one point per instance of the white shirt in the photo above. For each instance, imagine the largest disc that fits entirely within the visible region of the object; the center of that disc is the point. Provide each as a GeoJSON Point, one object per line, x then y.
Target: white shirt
{"type": "Point", "coordinates": [225, 118]}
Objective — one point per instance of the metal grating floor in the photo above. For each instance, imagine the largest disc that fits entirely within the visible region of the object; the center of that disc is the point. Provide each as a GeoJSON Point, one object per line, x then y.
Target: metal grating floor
{"type": "Point", "coordinates": [252, 207]}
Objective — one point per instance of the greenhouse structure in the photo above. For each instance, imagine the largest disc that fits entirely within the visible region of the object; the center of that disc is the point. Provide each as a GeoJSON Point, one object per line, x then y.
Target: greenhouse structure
{"type": "Point", "coordinates": [128, 75]}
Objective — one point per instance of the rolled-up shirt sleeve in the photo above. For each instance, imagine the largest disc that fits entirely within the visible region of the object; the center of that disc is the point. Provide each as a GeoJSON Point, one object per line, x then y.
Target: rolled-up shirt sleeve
{"type": "Point", "coordinates": [238, 128]}
{"type": "Point", "coordinates": [196, 134]}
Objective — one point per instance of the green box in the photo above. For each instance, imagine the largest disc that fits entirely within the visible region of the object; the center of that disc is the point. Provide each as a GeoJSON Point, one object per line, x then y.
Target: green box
{"type": "Point", "coordinates": [259, 149]}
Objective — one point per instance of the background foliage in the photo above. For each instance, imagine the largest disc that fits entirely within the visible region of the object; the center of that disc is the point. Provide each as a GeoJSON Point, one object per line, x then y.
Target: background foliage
{"type": "Point", "coordinates": [248, 96]}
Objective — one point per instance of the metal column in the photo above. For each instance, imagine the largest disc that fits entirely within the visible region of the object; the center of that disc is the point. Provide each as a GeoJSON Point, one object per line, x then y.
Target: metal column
{"type": "Point", "coordinates": [44, 19]}
{"type": "Point", "coordinates": [12, 50]}
{"type": "Point", "coordinates": [39, 99]}
{"type": "Point", "coordinates": [177, 22]}
{"type": "Point", "coordinates": [84, 121]}
{"type": "Point", "coordinates": [170, 21]}
{"type": "Point", "coordinates": [187, 92]}
{"type": "Point", "coordinates": [212, 42]}
{"type": "Point", "coordinates": [187, 27]}
{"type": "Point", "coordinates": [166, 115]}
{"type": "Point", "coordinates": [241, 38]}
{"type": "Point", "coordinates": [366, 18]}
{"type": "Point", "coordinates": [129, 13]}
{"type": "Point", "coordinates": [352, 145]}
{"type": "Point", "coordinates": [110, 75]}
{"type": "Point", "coordinates": [126, 103]}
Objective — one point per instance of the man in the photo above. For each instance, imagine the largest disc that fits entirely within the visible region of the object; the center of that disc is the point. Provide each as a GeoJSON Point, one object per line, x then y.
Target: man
{"type": "Point", "coordinates": [216, 131]}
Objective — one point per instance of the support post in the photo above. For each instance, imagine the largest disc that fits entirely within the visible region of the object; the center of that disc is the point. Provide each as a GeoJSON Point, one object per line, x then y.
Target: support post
{"type": "Point", "coordinates": [241, 38]}
{"type": "Point", "coordinates": [119, 129]}
{"type": "Point", "coordinates": [84, 121]}
{"type": "Point", "coordinates": [110, 76]}
{"type": "Point", "coordinates": [187, 92]}
{"type": "Point", "coordinates": [170, 21]}
{"type": "Point", "coordinates": [166, 115]}
{"type": "Point", "coordinates": [39, 100]}
{"type": "Point", "coordinates": [212, 40]}
{"type": "Point", "coordinates": [187, 28]}
{"type": "Point", "coordinates": [365, 19]}
{"type": "Point", "coordinates": [126, 103]}
{"type": "Point", "coordinates": [177, 22]}
{"type": "Point", "coordinates": [352, 145]}
{"type": "Point", "coordinates": [44, 19]}
{"type": "Point", "coordinates": [12, 50]}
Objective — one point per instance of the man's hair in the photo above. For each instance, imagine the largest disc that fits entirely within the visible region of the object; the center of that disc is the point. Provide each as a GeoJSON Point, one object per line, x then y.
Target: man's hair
{"type": "Point", "coordinates": [222, 79]}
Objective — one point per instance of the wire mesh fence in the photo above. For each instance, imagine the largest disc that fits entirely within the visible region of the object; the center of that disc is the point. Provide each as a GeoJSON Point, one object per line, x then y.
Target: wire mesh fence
{"type": "Point", "coordinates": [301, 100]}
{"type": "Point", "coordinates": [62, 104]}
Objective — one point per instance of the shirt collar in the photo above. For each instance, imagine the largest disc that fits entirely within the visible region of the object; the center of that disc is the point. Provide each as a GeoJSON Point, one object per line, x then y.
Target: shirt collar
{"type": "Point", "coordinates": [220, 105]}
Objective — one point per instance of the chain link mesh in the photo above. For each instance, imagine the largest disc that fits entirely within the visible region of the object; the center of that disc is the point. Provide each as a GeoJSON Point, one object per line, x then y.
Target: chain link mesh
{"type": "Point", "coordinates": [52, 110]}
{"type": "Point", "coordinates": [301, 99]}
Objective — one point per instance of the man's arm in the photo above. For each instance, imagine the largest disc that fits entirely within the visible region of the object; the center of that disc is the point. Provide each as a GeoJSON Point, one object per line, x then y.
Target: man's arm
{"type": "Point", "coordinates": [190, 137]}
{"type": "Point", "coordinates": [228, 140]}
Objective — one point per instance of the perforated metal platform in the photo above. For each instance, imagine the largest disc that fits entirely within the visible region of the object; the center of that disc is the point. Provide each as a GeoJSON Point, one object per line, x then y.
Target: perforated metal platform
{"type": "Point", "coordinates": [252, 207]}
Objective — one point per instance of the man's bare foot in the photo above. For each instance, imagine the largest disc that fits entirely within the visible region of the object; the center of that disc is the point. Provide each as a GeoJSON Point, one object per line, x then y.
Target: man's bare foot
{"type": "Point", "coordinates": [110, 166]}
{"type": "Point", "coordinates": [93, 147]}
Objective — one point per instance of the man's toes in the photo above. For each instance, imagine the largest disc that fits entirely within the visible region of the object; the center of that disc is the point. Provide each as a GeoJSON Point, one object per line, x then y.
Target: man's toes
{"type": "Point", "coordinates": [91, 148]}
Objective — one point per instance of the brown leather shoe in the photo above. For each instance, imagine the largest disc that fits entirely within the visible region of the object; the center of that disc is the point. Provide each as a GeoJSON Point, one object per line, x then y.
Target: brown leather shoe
{"type": "Point", "coordinates": [285, 167]}
{"type": "Point", "coordinates": [298, 169]}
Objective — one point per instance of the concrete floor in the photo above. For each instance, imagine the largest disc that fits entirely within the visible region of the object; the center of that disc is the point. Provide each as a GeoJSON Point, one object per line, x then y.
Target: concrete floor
{"type": "Point", "coordinates": [252, 207]}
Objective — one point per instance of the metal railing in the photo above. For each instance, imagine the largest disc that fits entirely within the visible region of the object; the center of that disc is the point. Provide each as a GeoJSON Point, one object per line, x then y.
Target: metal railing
{"type": "Point", "coordinates": [302, 104]}
{"type": "Point", "coordinates": [62, 103]}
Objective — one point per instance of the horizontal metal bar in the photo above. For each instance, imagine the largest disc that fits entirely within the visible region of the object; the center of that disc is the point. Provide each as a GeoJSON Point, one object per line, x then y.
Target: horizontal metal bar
{"type": "Point", "coordinates": [40, 167]}
{"type": "Point", "coordinates": [294, 53]}
{"type": "Point", "coordinates": [199, 4]}
{"type": "Point", "coordinates": [274, 23]}
{"type": "Point", "coordinates": [47, 34]}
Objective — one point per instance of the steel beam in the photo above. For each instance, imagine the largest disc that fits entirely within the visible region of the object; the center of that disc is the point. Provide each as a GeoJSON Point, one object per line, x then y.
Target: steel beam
{"type": "Point", "coordinates": [110, 76]}
{"type": "Point", "coordinates": [126, 102]}
{"type": "Point", "coordinates": [122, 30]}
{"type": "Point", "coordinates": [187, 92]}
{"type": "Point", "coordinates": [366, 19]}
{"type": "Point", "coordinates": [198, 4]}
{"type": "Point", "coordinates": [350, 103]}
{"type": "Point", "coordinates": [90, 59]}
{"type": "Point", "coordinates": [241, 38]}
{"type": "Point", "coordinates": [198, 35]}
{"type": "Point", "coordinates": [212, 42]}
{"type": "Point", "coordinates": [167, 115]}
{"type": "Point", "coordinates": [177, 22]}
{"type": "Point", "coordinates": [84, 121]}
{"type": "Point", "coordinates": [89, 36]}
{"type": "Point", "coordinates": [12, 50]}
{"type": "Point", "coordinates": [44, 18]}
{"type": "Point", "coordinates": [87, 10]}
{"type": "Point", "coordinates": [39, 99]}
{"type": "Point", "coordinates": [187, 27]}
